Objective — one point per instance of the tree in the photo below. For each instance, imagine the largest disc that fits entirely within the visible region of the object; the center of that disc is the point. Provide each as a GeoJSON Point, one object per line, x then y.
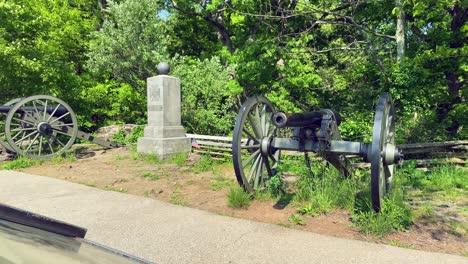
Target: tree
{"type": "Point", "coordinates": [132, 41]}
{"type": "Point", "coordinates": [43, 45]}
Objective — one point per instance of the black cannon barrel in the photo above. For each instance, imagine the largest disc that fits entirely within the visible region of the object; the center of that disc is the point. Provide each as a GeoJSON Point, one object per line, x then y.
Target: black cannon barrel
{"type": "Point", "coordinates": [308, 119]}
{"type": "Point", "coordinates": [50, 109]}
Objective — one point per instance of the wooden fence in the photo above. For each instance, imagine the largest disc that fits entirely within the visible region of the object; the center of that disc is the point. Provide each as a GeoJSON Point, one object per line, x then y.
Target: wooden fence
{"type": "Point", "coordinates": [456, 151]}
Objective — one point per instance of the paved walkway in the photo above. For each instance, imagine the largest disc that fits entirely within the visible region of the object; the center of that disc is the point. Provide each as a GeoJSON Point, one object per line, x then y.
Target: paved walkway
{"type": "Point", "coordinates": [166, 233]}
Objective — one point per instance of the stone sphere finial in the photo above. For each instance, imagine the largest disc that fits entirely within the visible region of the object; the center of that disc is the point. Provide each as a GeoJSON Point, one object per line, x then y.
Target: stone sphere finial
{"type": "Point", "coordinates": [163, 68]}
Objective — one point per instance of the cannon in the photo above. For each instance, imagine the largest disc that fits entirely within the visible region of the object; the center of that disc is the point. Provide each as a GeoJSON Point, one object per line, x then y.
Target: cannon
{"type": "Point", "coordinates": [41, 127]}
{"type": "Point", "coordinates": [257, 146]}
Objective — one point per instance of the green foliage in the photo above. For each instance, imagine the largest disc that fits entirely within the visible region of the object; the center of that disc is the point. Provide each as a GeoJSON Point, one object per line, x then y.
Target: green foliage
{"type": "Point", "coordinates": [323, 189]}
{"type": "Point", "coordinates": [205, 163]}
{"type": "Point", "coordinates": [110, 103]}
{"type": "Point", "coordinates": [151, 176]}
{"type": "Point", "coordinates": [130, 43]}
{"type": "Point", "coordinates": [208, 95]}
{"type": "Point", "coordinates": [320, 204]}
{"type": "Point", "coordinates": [149, 158]}
{"type": "Point", "coordinates": [98, 60]}
{"type": "Point", "coordinates": [262, 195]}
{"type": "Point", "coordinates": [176, 196]}
{"type": "Point", "coordinates": [446, 179]}
{"type": "Point", "coordinates": [220, 182]}
{"type": "Point", "coordinates": [178, 159]}
{"type": "Point", "coordinates": [65, 157]}
{"type": "Point", "coordinates": [296, 219]}
{"type": "Point", "coordinates": [395, 215]}
{"type": "Point", "coordinates": [20, 163]}
{"type": "Point", "coordinates": [237, 198]}
{"type": "Point", "coordinates": [275, 186]}
{"type": "Point", "coordinates": [43, 45]}
{"type": "Point", "coordinates": [135, 134]}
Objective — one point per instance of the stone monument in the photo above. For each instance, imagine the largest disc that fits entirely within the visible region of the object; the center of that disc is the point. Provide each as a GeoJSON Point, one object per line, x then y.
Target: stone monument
{"type": "Point", "coordinates": [164, 134]}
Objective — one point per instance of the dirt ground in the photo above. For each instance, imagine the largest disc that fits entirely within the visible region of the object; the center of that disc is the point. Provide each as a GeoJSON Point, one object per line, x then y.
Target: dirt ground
{"type": "Point", "coordinates": [116, 170]}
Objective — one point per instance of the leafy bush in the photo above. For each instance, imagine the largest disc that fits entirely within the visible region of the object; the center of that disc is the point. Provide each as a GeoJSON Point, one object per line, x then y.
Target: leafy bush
{"type": "Point", "coordinates": [109, 103]}
{"type": "Point", "coordinates": [209, 95]}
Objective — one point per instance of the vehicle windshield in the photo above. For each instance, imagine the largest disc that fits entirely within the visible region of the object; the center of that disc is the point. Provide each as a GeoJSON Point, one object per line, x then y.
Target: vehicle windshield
{"type": "Point", "coordinates": [25, 244]}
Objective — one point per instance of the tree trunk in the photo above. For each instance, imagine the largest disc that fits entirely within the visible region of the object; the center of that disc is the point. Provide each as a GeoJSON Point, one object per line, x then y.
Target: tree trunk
{"type": "Point", "coordinates": [400, 31]}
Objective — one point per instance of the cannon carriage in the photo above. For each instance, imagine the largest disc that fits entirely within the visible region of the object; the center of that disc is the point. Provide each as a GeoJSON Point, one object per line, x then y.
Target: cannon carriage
{"type": "Point", "coordinates": [257, 144]}
{"type": "Point", "coordinates": [41, 127]}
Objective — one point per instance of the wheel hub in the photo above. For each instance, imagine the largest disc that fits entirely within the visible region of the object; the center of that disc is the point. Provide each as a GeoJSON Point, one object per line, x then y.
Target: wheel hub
{"type": "Point", "coordinates": [44, 128]}
{"type": "Point", "coordinates": [265, 146]}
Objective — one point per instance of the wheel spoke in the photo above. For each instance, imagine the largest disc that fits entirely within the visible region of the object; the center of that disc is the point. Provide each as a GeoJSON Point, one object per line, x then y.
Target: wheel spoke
{"type": "Point", "coordinates": [250, 146]}
{"type": "Point", "coordinates": [32, 142]}
{"type": "Point", "coordinates": [45, 110]}
{"type": "Point", "coordinates": [259, 172]}
{"type": "Point", "coordinates": [258, 134]}
{"type": "Point", "coordinates": [23, 121]}
{"type": "Point", "coordinates": [60, 142]}
{"type": "Point", "coordinates": [259, 121]}
{"type": "Point", "coordinates": [253, 169]}
{"type": "Point", "coordinates": [249, 135]}
{"type": "Point", "coordinates": [249, 159]}
{"type": "Point", "coordinates": [50, 146]}
{"type": "Point", "coordinates": [35, 108]}
{"type": "Point", "coordinates": [57, 119]}
{"type": "Point", "coordinates": [62, 133]}
{"type": "Point", "coordinates": [263, 121]}
{"type": "Point", "coordinates": [27, 136]}
{"type": "Point", "coordinates": [13, 138]}
{"type": "Point", "coordinates": [267, 166]}
{"type": "Point", "coordinates": [53, 112]}
{"type": "Point", "coordinates": [23, 129]}
{"type": "Point", "coordinates": [40, 146]}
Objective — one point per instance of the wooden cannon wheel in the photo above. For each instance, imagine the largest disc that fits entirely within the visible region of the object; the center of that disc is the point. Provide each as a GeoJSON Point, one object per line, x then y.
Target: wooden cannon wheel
{"type": "Point", "coordinates": [382, 137]}
{"type": "Point", "coordinates": [254, 161]}
{"type": "Point", "coordinates": [40, 127]}
{"type": "Point", "coordinates": [2, 125]}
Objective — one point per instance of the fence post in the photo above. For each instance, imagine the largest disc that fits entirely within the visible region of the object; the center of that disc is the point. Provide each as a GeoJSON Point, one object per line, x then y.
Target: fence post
{"type": "Point", "coordinates": [164, 134]}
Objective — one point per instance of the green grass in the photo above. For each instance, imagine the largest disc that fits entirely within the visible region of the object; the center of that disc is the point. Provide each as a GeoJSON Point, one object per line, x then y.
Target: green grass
{"type": "Point", "coordinates": [324, 189]}
{"type": "Point", "coordinates": [206, 163]}
{"type": "Point", "coordinates": [237, 198]}
{"type": "Point", "coordinates": [178, 159]}
{"type": "Point", "coordinates": [151, 176]}
{"type": "Point", "coordinates": [263, 195]}
{"type": "Point", "coordinates": [20, 163]}
{"type": "Point", "coordinates": [219, 182]}
{"type": "Point", "coordinates": [176, 196]}
{"type": "Point", "coordinates": [395, 215]}
{"type": "Point", "coordinates": [65, 157]}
